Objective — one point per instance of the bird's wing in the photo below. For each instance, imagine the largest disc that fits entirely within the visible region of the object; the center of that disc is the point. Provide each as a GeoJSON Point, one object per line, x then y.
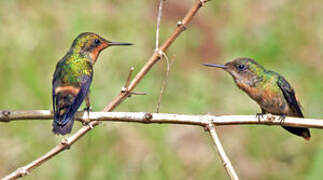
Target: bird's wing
{"type": "Point", "coordinates": [54, 85]}
{"type": "Point", "coordinates": [84, 89]}
{"type": "Point", "coordinates": [289, 95]}
{"type": "Point", "coordinates": [54, 97]}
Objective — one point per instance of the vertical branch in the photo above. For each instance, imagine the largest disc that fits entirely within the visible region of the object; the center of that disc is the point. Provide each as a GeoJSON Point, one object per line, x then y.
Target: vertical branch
{"type": "Point", "coordinates": [162, 54]}
{"type": "Point", "coordinates": [160, 12]}
{"type": "Point", "coordinates": [225, 160]}
{"type": "Point", "coordinates": [164, 83]}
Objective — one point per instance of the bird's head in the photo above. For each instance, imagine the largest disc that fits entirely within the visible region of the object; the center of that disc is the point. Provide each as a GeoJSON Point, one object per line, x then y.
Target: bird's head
{"type": "Point", "coordinates": [243, 70]}
{"type": "Point", "coordinates": [90, 45]}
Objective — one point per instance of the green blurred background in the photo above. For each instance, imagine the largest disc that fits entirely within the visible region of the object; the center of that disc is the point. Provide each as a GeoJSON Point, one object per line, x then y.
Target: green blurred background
{"type": "Point", "coordinates": [283, 35]}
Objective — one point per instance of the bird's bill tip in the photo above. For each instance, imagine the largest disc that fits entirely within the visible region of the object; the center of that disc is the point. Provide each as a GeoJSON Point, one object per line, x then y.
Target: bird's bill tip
{"type": "Point", "coordinates": [216, 65]}
{"type": "Point", "coordinates": [119, 44]}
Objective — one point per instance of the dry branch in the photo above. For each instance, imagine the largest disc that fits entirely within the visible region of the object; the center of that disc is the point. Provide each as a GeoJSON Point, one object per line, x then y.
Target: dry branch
{"type": "Point", "coordinates": [225, 160]}
{"type": "Point", "coordinates": [164, 118]}
{"type": "Point", "coordinates": [144, 117]}
{"type": "Point", "coordinates": [66, 143]}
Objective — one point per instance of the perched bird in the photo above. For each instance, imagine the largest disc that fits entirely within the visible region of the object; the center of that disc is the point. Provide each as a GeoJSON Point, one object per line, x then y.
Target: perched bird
{"type": "Point", "coordinates": [269, 89]}
{"type": "Point", "coordinates": [73, 77]}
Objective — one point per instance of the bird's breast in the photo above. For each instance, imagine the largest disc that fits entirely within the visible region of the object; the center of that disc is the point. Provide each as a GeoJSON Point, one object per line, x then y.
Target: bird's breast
{"type": "Point", "coordinates": [270, 100]}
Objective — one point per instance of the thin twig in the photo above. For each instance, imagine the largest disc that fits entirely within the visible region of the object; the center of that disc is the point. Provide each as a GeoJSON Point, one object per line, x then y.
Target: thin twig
{"type": "Point", "coordinates": [160, 12]}
{"type": "Point", "coordinates": [141, 117]}
{"type": "Point", "coordinates": [225, 160]}
{"type": "Point", "coordinates": [162, 54]}
{"type": "Point", "coordinates": [125, 87]}
{"type": "Point", "coordinates": [129, 77]}
{"type": "Point", "coordinates": [120, 98]}
{"type": "Point", "coordinates": [164, 83]}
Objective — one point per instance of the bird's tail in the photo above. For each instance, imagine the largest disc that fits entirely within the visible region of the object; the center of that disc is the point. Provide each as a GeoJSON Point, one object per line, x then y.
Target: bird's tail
{"type": "Point", "coordinates": [303, 132]}
{"type": "Point", "coordinates": [63, 120]}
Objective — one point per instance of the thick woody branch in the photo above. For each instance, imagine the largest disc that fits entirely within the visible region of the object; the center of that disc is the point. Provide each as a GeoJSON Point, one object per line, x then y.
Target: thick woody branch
{"type": "Point", "coordinates": [145, 117]}
{"type": "Point", "coordinates": [66, 143]}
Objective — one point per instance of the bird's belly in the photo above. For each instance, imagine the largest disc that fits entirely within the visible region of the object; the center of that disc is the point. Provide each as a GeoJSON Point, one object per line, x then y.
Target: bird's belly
{"type": "Point", "coordinates": [271, 101]}
{"type": "Point", "coordinates": [274, 105]}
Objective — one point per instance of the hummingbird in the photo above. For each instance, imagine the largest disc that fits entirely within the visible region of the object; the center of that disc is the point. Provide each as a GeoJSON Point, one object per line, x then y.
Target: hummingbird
{"type": "Point", "coordinates": [73, 77]}
{"type": "Point", "coordinates": [270, 90]}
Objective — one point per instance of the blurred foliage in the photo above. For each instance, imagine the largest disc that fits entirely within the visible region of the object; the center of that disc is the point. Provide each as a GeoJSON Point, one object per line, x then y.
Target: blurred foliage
{"type": "Point", "coordinates": [283, 35]}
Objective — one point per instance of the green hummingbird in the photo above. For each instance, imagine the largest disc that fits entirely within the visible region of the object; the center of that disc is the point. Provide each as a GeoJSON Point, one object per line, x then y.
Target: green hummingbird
{"type": "Point", "coordinates": [73, 77]}
{"type": "Point", "coordinates": [269, 89]}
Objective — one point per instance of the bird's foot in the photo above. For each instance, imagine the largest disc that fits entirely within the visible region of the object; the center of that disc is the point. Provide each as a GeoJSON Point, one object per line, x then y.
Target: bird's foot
{"type": "Point", "coordinates": [87, 120]}
{"type": "Point", "coordinates": [88, 109]}
{"type": "Point", "coordinates": [282, 119]}
{"type": "Point", "coordinates": [260, 116]}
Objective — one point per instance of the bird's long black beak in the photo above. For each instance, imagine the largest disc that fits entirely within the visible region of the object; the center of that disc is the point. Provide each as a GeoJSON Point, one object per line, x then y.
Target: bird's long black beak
{"type": "Point", "coordinates": [216, 65]}
{"type": "Point", "coordinates": [119, 44]}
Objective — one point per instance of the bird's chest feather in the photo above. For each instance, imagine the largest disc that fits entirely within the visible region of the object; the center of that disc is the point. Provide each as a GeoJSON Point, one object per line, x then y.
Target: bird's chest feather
{"type": "Point", "coordinates": [72, 72]}
{"type": "Point", "coordinates": [268, 98]}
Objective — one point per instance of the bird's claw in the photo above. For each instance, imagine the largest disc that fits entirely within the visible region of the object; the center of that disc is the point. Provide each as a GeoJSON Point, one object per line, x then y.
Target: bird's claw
{"type": "Point", "coordinates": [260, 116]}
{"type": "Point", "coordinates": [86, 121]}
{"type": "Point", "coordinates": [88, 109]}
{"type": "Point", "coordinates": [282, 119]}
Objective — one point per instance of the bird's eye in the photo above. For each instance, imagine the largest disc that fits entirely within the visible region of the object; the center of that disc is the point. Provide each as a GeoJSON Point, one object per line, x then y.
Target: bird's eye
{"type": "Point", "coordinates": [97, 41]}
{"type": "Point", "coordinates": [241, 67]}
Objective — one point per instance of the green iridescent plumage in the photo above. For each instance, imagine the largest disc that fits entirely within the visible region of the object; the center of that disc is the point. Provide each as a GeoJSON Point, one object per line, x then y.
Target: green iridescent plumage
{"type": "Point", "coordinates": [269, 89]}
{"type": "Point", "coordinates": [71, 67]}
{"type": "Point", "coordinates": [73, 77]}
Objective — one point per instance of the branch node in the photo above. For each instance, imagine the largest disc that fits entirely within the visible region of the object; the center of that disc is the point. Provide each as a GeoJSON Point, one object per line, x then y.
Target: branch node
{"type": "Point", "coordinates": [65, 143]}
{"type": "Point", "coordinates": [6, 115]}
{"type": "Point", "coordinates": [206, 128]}
{"type": "Point", "coordinates": [148, 117]}
{"type": "Point", "coordinates": [160, 52]}
{"type": "Point", "coordinates": [181, 25]}
{"type": "Point", "coordinates": [86, 122]}
{"type": "Point", "coordinates": [210, 123]}
{"type": "Point", "coordinates": [124, 89]}
{"type": "Point", "coordinates": [22, 171]}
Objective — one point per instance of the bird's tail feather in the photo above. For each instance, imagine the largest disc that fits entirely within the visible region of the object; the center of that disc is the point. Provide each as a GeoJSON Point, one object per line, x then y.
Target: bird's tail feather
{"type": "Point", "coordinates": [63, 120]}
{"type": "Point", "coordinates": [62, 130]}
{"type": "Point", "coordinates": [303, 132]}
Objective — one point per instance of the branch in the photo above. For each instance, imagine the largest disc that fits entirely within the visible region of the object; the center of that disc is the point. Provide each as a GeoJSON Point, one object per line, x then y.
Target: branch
{"type": "Point", "coordinates": [225, 160]}
{"type": "Point", "coordinates": [143, 117]}
{"type": "Point", "coordinates": [66, 143]}
{"type": "Point", "coordinates": [160, 12]}
{"type": "Point", "coordinates": [164, 118]}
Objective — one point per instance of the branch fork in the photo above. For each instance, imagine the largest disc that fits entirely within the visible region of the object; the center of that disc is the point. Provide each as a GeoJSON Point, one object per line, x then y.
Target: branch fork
{"type": "Point", "coordinates": [181, 25]}
{"type": "Point", "coordinates": [125, 88]}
